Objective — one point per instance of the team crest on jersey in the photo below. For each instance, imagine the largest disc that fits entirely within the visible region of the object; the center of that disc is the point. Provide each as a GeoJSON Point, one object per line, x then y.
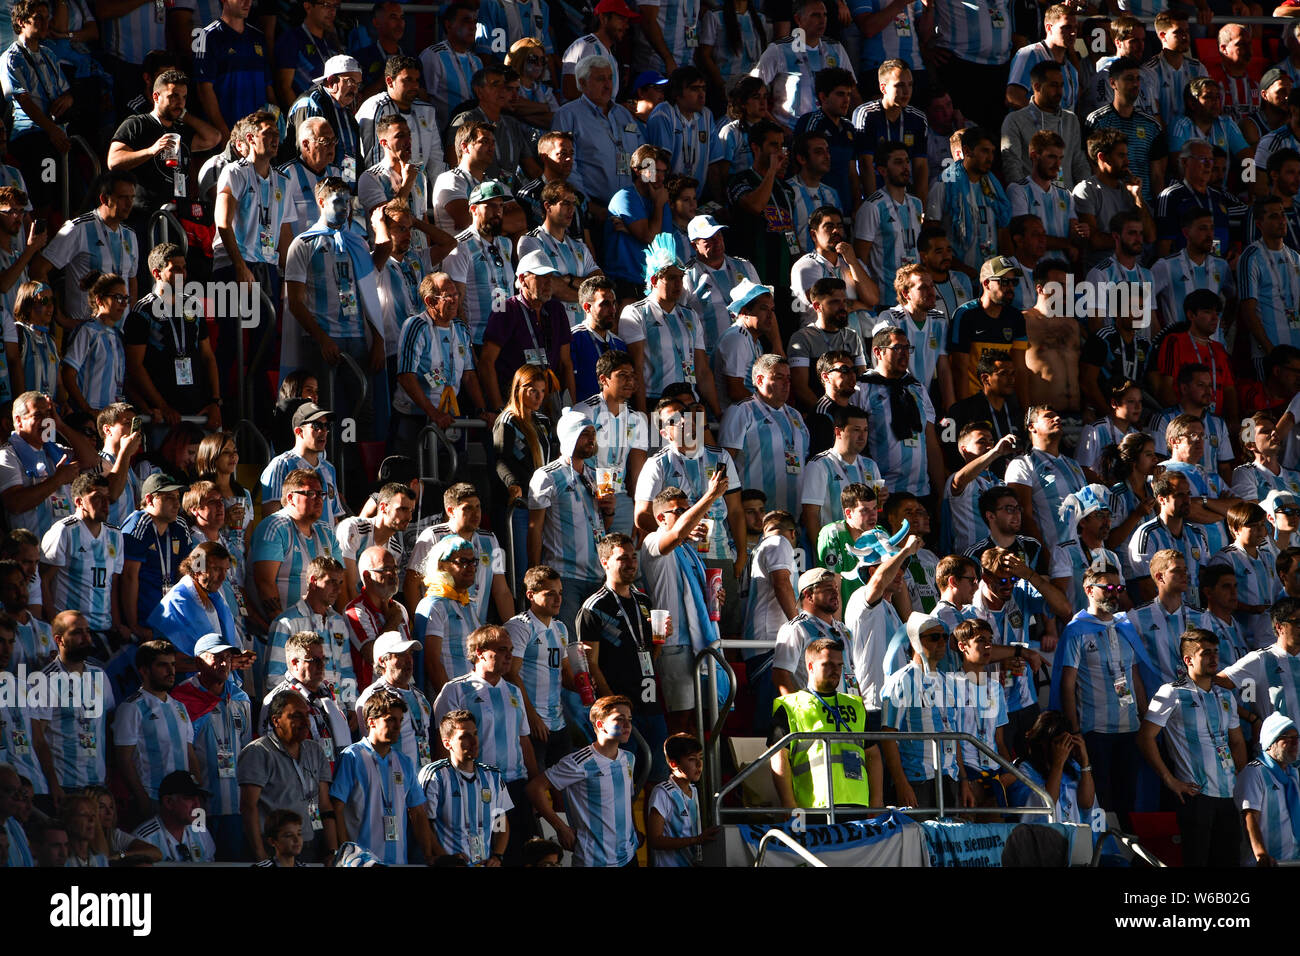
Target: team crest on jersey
{"type": "Point", "coordinates": [1141, 133]}
{"type": "Point", "coordinates": [257, 48]}
{"type": "Point", "coordinates": [1006, 335]}
{"type": "Point", "coordinates": [831, 61]}
{"type": "Point", "coordinates": [486, 795]}
{"type": "Point", "coordinates": [514, 701]}
{"type": "Point", "coordinates": [1196, 554]}
{"type": "Point", "coordinates": [909, 139]}
{"type": "Point", "coordinates": [832, 559]}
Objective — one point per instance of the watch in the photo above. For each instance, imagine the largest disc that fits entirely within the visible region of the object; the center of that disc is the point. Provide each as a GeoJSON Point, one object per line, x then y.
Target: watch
{"type": "Point", "coordinates": [1205, 501]}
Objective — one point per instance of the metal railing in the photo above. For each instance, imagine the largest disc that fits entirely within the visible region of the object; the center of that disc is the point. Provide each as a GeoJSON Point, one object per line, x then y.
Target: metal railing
{"type": "Point", "coordinates": [1136, 848]}
{"type": "Point", "coordinates": [789, 843]}
{"type": "Point", "coordinates": [645, 758]}
{"type": "Point", "coordinates": [165, 227]}
{"type": "Point", "coordinates": [65, 170]}
{"type": "Point", "coordinates": [336, 443]}
{"type": "Point", "coordinates": [933, 738]}
{"type": "Point", "coordinates": [432, 439]}
{"type": "Point", "coordinates": [717, 716]}
{"type": "Point", "coordinates": [511, 505]}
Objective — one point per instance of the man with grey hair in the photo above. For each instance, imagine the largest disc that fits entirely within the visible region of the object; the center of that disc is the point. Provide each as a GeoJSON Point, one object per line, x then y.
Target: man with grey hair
{"type": "Point", "coordinates": [374, 609]}
{"type": "Point", "coordinates": [35, 470]}
{"type": "Point", "coordinates": [605, 135]}
{"type": "Point", "coordinates": [1194, 191]}
{"type": "Point", "coordinates": [331, 722]}
{"type": "Point", "coordinates": [286, 769]}
{"type": "Point", "coordinates": [314, 162]}
{"type": "Point", "coordinates": [767, 437]}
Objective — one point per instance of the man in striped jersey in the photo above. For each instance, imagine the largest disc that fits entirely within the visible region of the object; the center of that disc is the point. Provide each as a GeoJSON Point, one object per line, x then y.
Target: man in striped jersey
{"type": "Point", "coordinates": [1166, 75]}
{"type": "Point", "coordinates": [223, 725]}
{"type": "Point", "coordinates": [1194, 387]}
{"type": "Point", "coordinates": [152, 733]}
{"type": "Point", "coordinates": [315, 613]}
{"type": "Point", "coordinates": [612, 19]}
{"type": "Point", "coordinates": [394, 673]}
{"type": "Point", "coordinates": [739, 347]}
{"type": "Point", "coordinates": [1161, 623]}
{"type": "Point", "coordinates": [597, 784]}
{"type": "Point", "coordinates": [396, 174]}
{"type": "Point", "coordinates": [713, 276]}
{"type": "Point", "coordinates": [916, 315]}
{"type": "Point", "coordinates": [539, 666]}
{"type": "Point", "coordinates": [767, 437]}
{"type": "Point", "coordinates": [1169, 529]}
{"type": "Point", "coordinates": [1268, 793]}
{"type": "Point", "coordinates": [284, 544]}
{"type": "Point", "coordinates": [311, 424]}
{"type": "Point", "coordinates": [819, 600]}
{"type": "Point", "coordinates": [888, 223]}
{"type": "Point", "coordinates": [1268, 280]}
{"type": "Point", "coordinates": [400, 98]}
{"type": "Point", "coordinates": [1286, 135]}
{"type": "Point", "coordinates": [450, 65]}
{"type": "Point", "coordinates": [1194, 272]}
{"type": "Point", "coordinates": [622, 434]}
{"type": "Point", "coordinates": [1212, 500]}
{"type": "Point", "coordinates": [24, 741]}
{"type": "Point", "coordinates": [77, 736]}
{"type": "Point", "coordinates": [395, 504]}
{"type": "Point", "coordinates": [901, 440]}
{"type": "Point", "coordinates": [331, 722]}
{"type": "Point", "coordinates": [1060, 27]}
{"type": "Point", "coordinates": [467, 800]}
{"type": "Point", "coordinates": [1042, 195]}
{"type": "Point", "coordinates": [1204, 743]}
{"type": "Point", "coordinates": [963, 515]}
{"type": "Point", "coordinates": [827, 474]}
{"type": "Point", "coordinates": [82, 560]}
{"type": "Point", "coordinates": [500, 715]}
{"type": "Point", "coordinates": [98, 241]}
{"type": "Point", "coordinates": [562, 246]}
{"type": "Point", "coordinates": [1271, 674]}
{"type": "Point", "coordinates": [176, 829]}
{"type": "Point", "coordinates": [480, 263]}
{"type": "Point", "coordinates": [314, 162]}
{"type": "Point", "coordinates": [935, 253]}
{"type": "Point", "coordinates": [1043, 476]}
{"type": "Point", "coordinates": [376, 791]}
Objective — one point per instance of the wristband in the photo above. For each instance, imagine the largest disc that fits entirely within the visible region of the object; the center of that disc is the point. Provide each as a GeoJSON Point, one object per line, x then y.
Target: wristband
{"type": "Point", "coordinates": [1087, 769]}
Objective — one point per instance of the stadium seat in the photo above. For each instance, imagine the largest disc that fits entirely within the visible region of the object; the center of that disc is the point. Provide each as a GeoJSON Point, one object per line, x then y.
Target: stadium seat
{"type": "Point", "coordinates": [1158, 832]}
{"type": "Point", "coordinates": [758, 789]}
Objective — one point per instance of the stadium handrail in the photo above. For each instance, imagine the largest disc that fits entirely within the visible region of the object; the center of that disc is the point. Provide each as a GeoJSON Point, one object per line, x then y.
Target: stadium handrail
{"type": "Point", "coordinates": [65, 165]}
{"type": "Point", "coordinates": [934, 738]}
{"type": "Point", "coordinates": [712, 740]}
{"type": "Point", "coordinates": [166, 215]}
{"type": "Point", "coordinates": [338, 445]}
{"type": "Point", "coordinates": [1136, 848]}
{"type": "Point", "coordinates": [789, 843]}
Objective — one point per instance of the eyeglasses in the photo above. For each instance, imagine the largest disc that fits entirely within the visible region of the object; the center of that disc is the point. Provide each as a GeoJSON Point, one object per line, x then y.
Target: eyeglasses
{"type": "Point", "coordinates": [1005, 280]}
{"type": "Point", "coordinates": [972, 580]}
{"type": "Point", "coordinates": [463, 562]}
{"type": "Point", "coordinates": [319, 659]}
{"type": "Point", "coordinates": [309, 495]}
{"type": "Point", "coordinates": [674, 511]}
{"type": "Point", "coordinates": [845, 370]}
{"type": "Point", "coordinates": [319, 426]}
{"type": "Point", "coordinates": [1108, 588]}
{"type": "Point", "coordinates": [118, 297]}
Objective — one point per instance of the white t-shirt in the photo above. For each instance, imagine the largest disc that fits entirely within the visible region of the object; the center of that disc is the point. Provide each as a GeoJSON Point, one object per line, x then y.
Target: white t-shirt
{"type": "Point", "coordinates": [763, 616]}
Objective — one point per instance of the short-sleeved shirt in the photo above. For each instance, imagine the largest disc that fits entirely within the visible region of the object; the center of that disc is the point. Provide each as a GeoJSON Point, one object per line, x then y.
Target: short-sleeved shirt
{"type": "Point", "coordinates": [160, 730]}
{"type": "Point", "coordinates": [156, 182]}
{"type": "Point", "coordinates": [1196, 724]}
{"type": "Point", "coordinates": [972, 330]}
{"type": "Point", "coordinates": [525, 336]}
{"type": "Point", "coordinates": [465, 811]}
{"type": "Point", "coordinates": [83, 245]}
{"type": "Point", "coordinates": [235, 62]}
{"type": "Point", "coordinates": [598, 793]}
{"type": "Point", "coordinates": [286, 783]}
{"type": "Point", "coordinates": [619, 627]}
{"type": "Point", "coordinates": [84, 565]}
{"type": "Point", "coordinates": [376, 792]}
{"type": "Point", "coordinates": [171, 335]}
{"type": "Point", "coordinates": [498, 711]}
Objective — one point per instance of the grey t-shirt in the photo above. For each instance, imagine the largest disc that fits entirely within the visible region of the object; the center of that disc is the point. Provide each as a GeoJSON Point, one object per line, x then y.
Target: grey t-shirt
{"type": "Point", "coordinates": [1094, 199]}
{"type": "Point", "coordinates": [286, 784]}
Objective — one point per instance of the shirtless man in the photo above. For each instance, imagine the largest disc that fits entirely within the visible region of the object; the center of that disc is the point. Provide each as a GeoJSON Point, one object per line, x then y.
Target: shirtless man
{"type": "Point", "coordinates": [1055, 344]}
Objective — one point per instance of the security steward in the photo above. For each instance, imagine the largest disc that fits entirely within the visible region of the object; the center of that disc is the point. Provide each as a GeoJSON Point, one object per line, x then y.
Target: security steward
{"type": "Point", "coordinates": [799, 771]}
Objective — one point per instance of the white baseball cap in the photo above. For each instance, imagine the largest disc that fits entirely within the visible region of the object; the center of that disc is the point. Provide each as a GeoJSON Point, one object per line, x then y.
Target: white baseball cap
{"type": "Point", "coordinates": [390, 642]}
{"type": "Point", "coordinates": [339, 63]}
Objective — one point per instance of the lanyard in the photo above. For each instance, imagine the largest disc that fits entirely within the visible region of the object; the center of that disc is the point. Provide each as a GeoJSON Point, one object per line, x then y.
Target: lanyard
{"type": "Point", "coordinates": [589, 508]}
{"type": "Point", "coordinates": [177, 340]}
{"type": "Point", "coordinates": [637, 632]}
{"type": "Point", "coordinates": [781, 418]}
{"type": "Point", "coordinates": [834, 709]}
{"type": "Point", "coordinates": [163, 564]}
{"type": "Point", "coordinates": [528, 324]}
{"type": "Point", "coordinates": [690, 141]}
{"type": "Point", "coordinates": [228, 721]}
{"type": "Point", "coordinates": [386, 776]}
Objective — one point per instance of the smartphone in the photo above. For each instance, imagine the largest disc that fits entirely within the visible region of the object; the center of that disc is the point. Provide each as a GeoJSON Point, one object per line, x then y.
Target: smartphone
{"type": "Point", "coordinates": [39, 225]}
{"type": "Point", "coordinates": [137, 425]}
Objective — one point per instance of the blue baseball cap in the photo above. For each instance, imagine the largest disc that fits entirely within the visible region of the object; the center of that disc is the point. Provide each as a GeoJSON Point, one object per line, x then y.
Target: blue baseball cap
{"type": "Point", "coordinates": [649, 78]}
{"type": "Point", "coordinates": [212, 644]}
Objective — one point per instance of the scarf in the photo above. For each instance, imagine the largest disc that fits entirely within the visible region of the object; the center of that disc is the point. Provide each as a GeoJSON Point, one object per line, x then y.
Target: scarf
{"type": "Point", "coordinates": [27, 456]}
{"type": "Point", "coordinates": [354, 247]}
{"type": "Point", "coordinates": [904, 409]}
{"type": "Point", "coordinates": [960, 205]}
{"type": "Point", "coordinates": [1085, 623]}
{"type": "Point", "coordinates": [1285, 778]}
{"type": "Point", "coordinates": [703, 632]}
{"type": "Point", "coordinates": [440, 584]}
{"type": "Point", "coordinates": [181, 617]}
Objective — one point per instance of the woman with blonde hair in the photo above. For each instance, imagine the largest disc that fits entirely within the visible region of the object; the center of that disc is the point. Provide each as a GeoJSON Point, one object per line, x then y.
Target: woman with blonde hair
{"type": "Point", "coordinates": [537, 104]}
{"type": "Point", "coordinates": [524, 441]}
{"type": "Point", "coordinates": [34, 317]}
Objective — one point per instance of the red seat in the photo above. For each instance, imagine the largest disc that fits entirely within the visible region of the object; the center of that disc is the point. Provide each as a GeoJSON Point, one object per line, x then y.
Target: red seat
{"type": "Point", "coordinates": [1158, 832]}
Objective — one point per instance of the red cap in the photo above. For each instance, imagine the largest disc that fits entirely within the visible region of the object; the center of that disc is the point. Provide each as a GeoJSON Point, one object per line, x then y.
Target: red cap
{"type": "Point", "coordinates": [617, 6]}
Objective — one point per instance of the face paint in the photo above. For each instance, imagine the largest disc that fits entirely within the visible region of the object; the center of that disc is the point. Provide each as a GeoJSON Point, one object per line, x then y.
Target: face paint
{"type": "Point", "coordinates": [336, 210]}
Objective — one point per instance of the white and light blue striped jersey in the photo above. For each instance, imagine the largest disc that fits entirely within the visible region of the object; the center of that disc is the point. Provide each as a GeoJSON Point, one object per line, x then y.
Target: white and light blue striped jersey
{"type": "Point", "coordinates": [447, 76]}
{"type": "Point", "coordinates": [86, 244]}
{"type": "Point", "coordinates": [1095, 438]}
{"type": "Point", "coordinates": [1070, 560]}
{"type": "Point", "coordinates": [688, 140]}
{"type": "Point", "coordinates": [977, 33]}
{"type": "Point", "coordinates": [417, 721]}
{"type": "Point", "coordinates": [85, 565]}
{"type": "Point", "coordinates": [1161, 631]}
{"type": "Point", "coordinates": [583, 47]}
{"type": "Point", "coordinates": [98, 358]}
{"type": "Point", "coordinates": [1253, 482]}
{"type": "Point", "coordinates": [680, 22]}
{"type": "Point", "coordinates": [616, 436]}
{"type": "Point", "coordinates": [1218, 444]}
{"type": "Point", "coordinates": [902, 463]}
{"type": "Point", "coordinates": [129, 500]}
{"type": "Point", "coordinates": [670, 467]}
{"type": "Point", "coordinates": [1053, 206]}
{"type": "Point", "coordinates": [805, 200]}
{"type": "Point", "coordinates": [1152, 536]}
{"type": "Point", "coordinates": [1232, 645]}
{"type": "Point", "coordinates": [1271, 142]}
{"type": "Point", "coordinates": [774, 445]}
{"type": "Point", "coordinates": [78, 736]}
{"type": "Point", "coordinates": [36, 75]}
{"type": "Point", "coordinates": [491, 561]}
{"type": "Point", "coordinates": [335, 635]}
{"type": "Point", "coordinates": [21, 465]}
{"type": "Point", "coordinates": [1208, 484]}
{"type": "Point", "coordinates": [981, 710]}
{"type": "Point", "coordinates": [335, 292]}
{"type": "Point", "coordinates": [807, 269]}
{"type": "Point", "coordinates": [1272, 279]}
{"type": "Point", "coordinates": [261, 207]}
{"type": "Point", "coordinates": [278, 539]}
{"type": "Point", "coordinates": [1111, 273]}
{"type": "Point", "coordinates": [789, 69]}
{"type": "Point", "coordinates": [131, 36]}
{"type": "Point", "coordinates": [1224, 133]}
{"type": "Point", "coordinates": [421, 120]}
{"type": "Point", "coordinates": [375, 186]}
{"type": "Point", "coordinates": [708, 293]}
{"type": "Point", "coordinates": [34, 642]}
{"type": "Point", "coordinates": [482, 265]}
{"type": "Point", "coordinates": [541, 649]}
{"type": "Point", "coordinates": [569, 255]}
{"type": "Point", "coordinates": [465, 810]}
{"type": "Point", "coordinates": [1258, 584]}
{"type": "Point", "coordinates": [399, 294]}
{"type": "Point", "coordinates": [929, 339]}
{"type": "Point", "coordinates": [913, 700]}
{"type": "Point", "coordinates": [355, 535]}
{"type": "Point", "coordinates": [1269, 790]}
{"type": "Point", "coordinates": [1102, 658]}
{"type": "Point", "coordinates": [219, 736]}
{"type": "Point", "coordinates": [733, 148]}
{"type": "Point", "coordinates": [681, 815]}
{"type": "Point", "coordinates": [826, 474]}
{"type": "Point", "coordinates": [438, 356]}
{"type": "Point", "coordinates": [498, 710]}
{"type": "Point", "coordinates": [892, 228]}
{"type": "Point", "coordinates": [1027, 57]}
{"type": "Point", "coordinates": [964, 511]}
{"type": "Point", "coordinates": [40, 355]}
{"type": "Point", "coordinates": [952, 293]}
{"type": "Point", "coordinates": [733, 64]}
{"type": "Point", "coordinates": [1272, 677]}
{"type": "Point", "coordinates": [801, 630]}
{"type": "Point", "coordinates": [1162, 87]}
{"type": "Point", "coordinates": [194, 846]}
{"type": "Point", "coordinates": [734, 356]}
{"type": "Point", "coordinates": [672, 341]}
{"type": "Point", "coordinates": [377, 793]}
{"type": "Point", "coordinates": [300, 192]}
{"type": "Point", "coordinates": [1196, 724]}
{"type": "Point", "coordinates": [452, 622]}
{"type": "Point", "coordinates": [1010, 625]}
{"type": "Point", "coordinates": [573, 525]}
{"type": "Point", "coordinates": [279, 467]}
{"type": "Point", "coordinates": [899, 40]}
{"type": "Point", "coordinates": [18, 746]}
{"type": "Point", "coordinates": [1176, 275]}
{"type": "Point", "coordinates": [598, 795]}
{"type": "Point", "coordinates": [160, 731]}
{"type": "Point", "coordinates": [1050, 478]}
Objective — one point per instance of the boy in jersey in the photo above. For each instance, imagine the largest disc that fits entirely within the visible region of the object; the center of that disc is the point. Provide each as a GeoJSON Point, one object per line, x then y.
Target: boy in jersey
{"type": "Point", "coordinates": [597, 785]}
{"type": "Point", "coordinates": [467, 799]}
{"type": "Point", "coordinates": [673, 826]}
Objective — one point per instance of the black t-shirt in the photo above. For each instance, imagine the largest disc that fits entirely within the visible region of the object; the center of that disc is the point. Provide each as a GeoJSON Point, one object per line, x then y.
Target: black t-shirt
{"type": "Point", "coordinates": [605, 621]}
{"type": "Point", "coordinates": [156, 180]}
{"type": "Point", "coordinates": [167, 340]}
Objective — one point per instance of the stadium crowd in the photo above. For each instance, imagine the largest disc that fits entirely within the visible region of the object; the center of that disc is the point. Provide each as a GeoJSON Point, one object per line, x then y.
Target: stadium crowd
{"type": "Point", "coordinates": [950, 352]}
